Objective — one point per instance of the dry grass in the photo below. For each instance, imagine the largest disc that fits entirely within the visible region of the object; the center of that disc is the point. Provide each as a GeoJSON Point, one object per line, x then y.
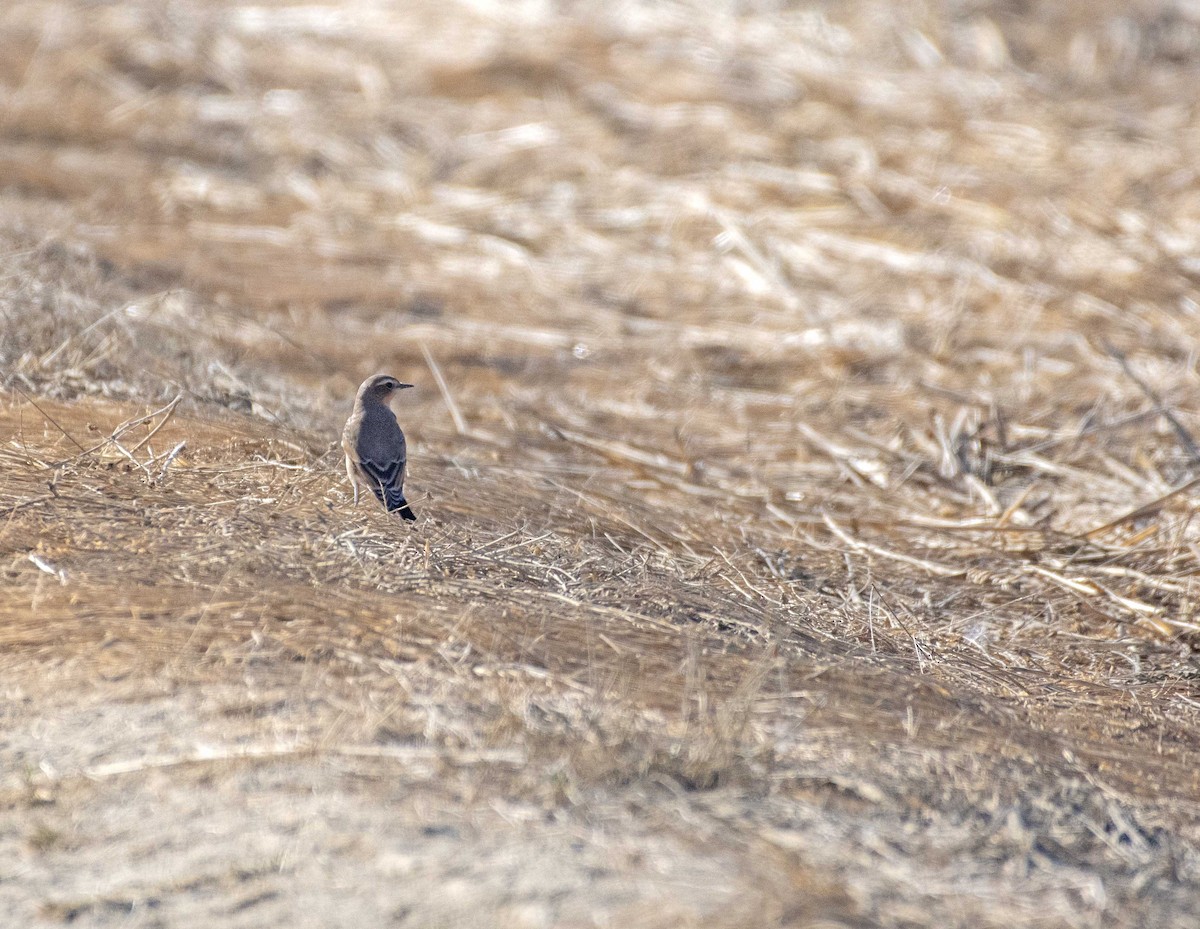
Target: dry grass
{"type": "Point", "coordinates": [805, 451]}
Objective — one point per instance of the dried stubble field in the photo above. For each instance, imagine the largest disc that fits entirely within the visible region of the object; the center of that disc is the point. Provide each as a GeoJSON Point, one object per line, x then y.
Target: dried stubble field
{"type": "Point", "coordinates": [806, 530]}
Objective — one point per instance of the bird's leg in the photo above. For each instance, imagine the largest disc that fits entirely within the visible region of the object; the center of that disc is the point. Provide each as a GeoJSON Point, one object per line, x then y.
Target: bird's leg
{"type": "Point", "coordinates": [354, 484]}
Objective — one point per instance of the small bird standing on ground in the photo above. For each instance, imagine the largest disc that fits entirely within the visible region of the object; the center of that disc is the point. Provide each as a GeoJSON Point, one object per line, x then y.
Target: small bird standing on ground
{"type": "Point", "coordinates": [374, 445]}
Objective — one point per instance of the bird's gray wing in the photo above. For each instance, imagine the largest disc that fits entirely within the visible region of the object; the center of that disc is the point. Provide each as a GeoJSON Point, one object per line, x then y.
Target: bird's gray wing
{"type": "Point", "coordinates": [387, 480]}
{"type": "Point", "coordinates": [385, 474]}
{"type": "Point", "coordinates": [382, 456]}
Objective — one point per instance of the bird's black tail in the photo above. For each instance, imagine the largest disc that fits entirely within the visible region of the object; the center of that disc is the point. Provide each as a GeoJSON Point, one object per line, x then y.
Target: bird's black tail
{"type": "Point", "coordinates": [394, 501]}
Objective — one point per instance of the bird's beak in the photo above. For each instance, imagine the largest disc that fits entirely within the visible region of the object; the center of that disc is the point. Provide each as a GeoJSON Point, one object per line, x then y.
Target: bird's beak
{"type": "Point", "coordinates": [402, 386]}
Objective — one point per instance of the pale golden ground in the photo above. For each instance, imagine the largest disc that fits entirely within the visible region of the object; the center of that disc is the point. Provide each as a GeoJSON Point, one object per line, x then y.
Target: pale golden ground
{"type": "Point", "coordinates": [806, 511]}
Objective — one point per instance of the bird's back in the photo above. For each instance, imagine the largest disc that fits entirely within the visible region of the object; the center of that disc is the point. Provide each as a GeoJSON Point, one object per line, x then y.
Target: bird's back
{"type": "Point", "coordinates": [379, 436]}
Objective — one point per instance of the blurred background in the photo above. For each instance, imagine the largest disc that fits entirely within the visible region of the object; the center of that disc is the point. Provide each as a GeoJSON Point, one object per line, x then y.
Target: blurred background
{"type": "Point", "coordinates": [804, 425]}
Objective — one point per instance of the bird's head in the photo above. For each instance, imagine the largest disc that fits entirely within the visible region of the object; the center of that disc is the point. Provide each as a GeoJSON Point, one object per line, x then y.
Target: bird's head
{"type": "Point", "coordinates": [380, 387]}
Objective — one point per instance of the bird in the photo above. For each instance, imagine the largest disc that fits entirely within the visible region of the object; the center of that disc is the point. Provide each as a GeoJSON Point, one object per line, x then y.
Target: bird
{"type": "Point", "coordinates": [374, 445]}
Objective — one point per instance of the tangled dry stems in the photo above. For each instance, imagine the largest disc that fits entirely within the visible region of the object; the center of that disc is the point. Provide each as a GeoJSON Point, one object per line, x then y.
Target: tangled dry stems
{"type": "Point", "coordinates": [806, 430]}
